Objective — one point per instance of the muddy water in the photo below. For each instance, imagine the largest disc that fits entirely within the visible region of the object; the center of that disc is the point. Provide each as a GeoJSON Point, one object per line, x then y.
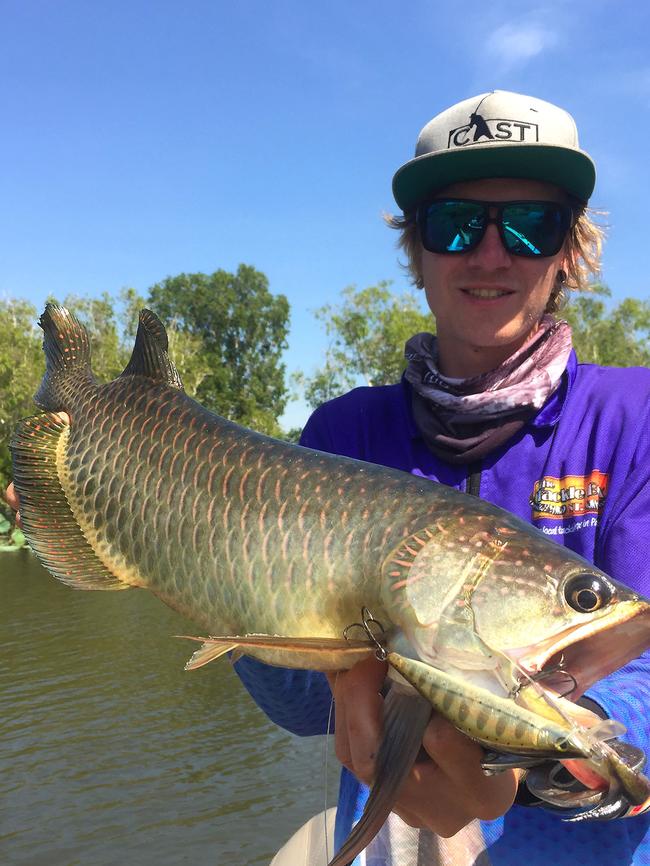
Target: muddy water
{"type": "Point", "coordinates": [111, 754]}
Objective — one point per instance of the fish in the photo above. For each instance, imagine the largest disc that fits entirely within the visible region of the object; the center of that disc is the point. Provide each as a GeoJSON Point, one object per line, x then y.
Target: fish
{"type": "Point", "coordinates": [310, 560]}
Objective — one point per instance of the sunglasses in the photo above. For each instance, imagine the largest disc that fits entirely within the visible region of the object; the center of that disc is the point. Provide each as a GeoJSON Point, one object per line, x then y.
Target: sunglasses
{"type": "Point", "coordinates": [533, 229]}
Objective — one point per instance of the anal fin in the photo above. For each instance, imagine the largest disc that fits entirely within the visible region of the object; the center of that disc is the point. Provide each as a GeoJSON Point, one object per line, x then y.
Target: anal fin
{"type": "Point", "coordinates": [215, 647]}
{"type": "Point", "coordinates": [209, 651]}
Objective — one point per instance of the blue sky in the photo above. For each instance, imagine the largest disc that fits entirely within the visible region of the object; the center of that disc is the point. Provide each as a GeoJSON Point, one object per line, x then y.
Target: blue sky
{"type": "Point", "coordinates": [143, 139]}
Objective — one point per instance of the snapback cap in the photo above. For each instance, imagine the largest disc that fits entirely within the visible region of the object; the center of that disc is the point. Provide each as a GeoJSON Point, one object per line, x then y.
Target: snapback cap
{"type": "Point", "coordinates": [496, 134]}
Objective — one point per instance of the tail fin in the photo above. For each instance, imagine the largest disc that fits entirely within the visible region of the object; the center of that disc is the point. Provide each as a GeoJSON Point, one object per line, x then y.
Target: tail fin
{"type": "Point", "coordinates": [50, 525]}
{"type": "Point", "coordinates": [67, 352]}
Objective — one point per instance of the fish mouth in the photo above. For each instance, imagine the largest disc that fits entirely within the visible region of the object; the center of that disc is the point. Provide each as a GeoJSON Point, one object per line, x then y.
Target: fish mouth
{"type": "Point", "coordinates": [576, 658]}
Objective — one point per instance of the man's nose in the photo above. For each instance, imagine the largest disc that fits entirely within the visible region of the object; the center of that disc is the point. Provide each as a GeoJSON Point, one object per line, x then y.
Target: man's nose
{"type": "Point", "coordinates": [490, 253]}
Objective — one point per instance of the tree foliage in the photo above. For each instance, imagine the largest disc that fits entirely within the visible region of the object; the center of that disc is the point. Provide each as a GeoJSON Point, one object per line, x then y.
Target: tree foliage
{"type": "Point", "coordinates": [241, 328]}
{"type": "Point", "coordinates": [226, 336]}
{"type": "Point", "coordinates": [619, 337]}
{"type": "Point", "coordinates": [227, 333]}
{"type": "Point", "coordinates": [369, 327]}
{"type": "Point", "coordinates": [367, 332]}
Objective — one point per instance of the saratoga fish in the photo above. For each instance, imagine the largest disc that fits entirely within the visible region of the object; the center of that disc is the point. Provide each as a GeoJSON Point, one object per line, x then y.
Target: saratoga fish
{"type": "Point", "coordinates": [280, 550]}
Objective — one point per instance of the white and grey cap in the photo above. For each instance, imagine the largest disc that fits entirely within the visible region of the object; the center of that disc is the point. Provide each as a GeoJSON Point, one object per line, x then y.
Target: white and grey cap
{"type": "Point", "coordinates": [496, 134]}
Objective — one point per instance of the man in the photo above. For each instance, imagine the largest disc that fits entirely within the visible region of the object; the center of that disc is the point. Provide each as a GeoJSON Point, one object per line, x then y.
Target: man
{"type": "Point", "coordinates": [495, 227]}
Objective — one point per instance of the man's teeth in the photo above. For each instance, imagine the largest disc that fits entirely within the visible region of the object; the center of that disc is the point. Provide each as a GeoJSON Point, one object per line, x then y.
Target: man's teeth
{"type": "Point", "coordinates": [486, 293]}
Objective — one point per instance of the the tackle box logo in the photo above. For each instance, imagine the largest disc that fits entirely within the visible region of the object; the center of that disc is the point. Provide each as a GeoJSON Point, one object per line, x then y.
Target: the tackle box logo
{"type": "Point", "coordinates": [569, 496]}
{"type": "Point", "coordinates": [481, 130]}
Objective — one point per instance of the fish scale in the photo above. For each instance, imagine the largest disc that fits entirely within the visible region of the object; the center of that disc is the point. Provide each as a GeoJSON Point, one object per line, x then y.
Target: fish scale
{"type": "Point", "coordinates": [246, 527]}
{"type": "Point", "coordinates": [265, 524]}
{"type": "Point", "coordinates": [139, 463]}
{"type": "Point", "coordinates": [277, 550]}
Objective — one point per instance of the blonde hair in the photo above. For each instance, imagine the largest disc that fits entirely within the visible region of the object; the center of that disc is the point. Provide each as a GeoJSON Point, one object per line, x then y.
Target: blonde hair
{"type": "Point", "coordinates": [583, 251]}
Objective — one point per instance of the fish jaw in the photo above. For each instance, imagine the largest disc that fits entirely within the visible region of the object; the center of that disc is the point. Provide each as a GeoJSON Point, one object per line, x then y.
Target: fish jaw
{"type": "Point", "coordinates": [592, 650]}
{"type": "Point", "coordinates": [588, 653]}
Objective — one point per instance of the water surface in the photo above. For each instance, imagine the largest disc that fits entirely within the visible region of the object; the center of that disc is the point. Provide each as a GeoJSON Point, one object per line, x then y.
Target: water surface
{"type": "Point", "coordinates": [111, 754]}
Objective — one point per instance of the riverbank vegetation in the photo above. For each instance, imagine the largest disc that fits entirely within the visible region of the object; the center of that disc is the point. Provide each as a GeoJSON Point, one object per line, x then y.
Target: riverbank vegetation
{"type": "Point", "coordinates": [228, 333]}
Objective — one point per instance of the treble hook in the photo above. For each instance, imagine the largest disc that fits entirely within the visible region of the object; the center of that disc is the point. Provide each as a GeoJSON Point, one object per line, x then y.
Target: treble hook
{"type": "Point", "coordinates": [545, 674]}
{"type": "Point", "coordinates": [368, 620]}
{"type": "Point", "coordinates": [574, 684]}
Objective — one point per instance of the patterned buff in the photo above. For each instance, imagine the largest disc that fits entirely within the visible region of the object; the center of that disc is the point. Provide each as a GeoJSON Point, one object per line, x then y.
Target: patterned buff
{"type": "Point", "coordinates": [461, 420]}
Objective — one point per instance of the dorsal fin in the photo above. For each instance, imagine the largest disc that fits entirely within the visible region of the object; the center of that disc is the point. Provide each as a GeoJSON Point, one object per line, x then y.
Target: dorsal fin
{"type": "Point", "coordinates": [150, 357]}
{"type": "Point", "coordinates": [67, 352]}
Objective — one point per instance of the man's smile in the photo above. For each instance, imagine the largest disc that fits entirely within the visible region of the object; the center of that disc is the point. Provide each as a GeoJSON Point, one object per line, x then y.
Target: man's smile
{"type": "Point", "coordinates": [483, 293]}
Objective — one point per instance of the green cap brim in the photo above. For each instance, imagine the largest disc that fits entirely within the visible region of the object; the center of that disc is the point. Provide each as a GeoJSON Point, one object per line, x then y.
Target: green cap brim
{"type": "Point", "coordinates": [571, 170]}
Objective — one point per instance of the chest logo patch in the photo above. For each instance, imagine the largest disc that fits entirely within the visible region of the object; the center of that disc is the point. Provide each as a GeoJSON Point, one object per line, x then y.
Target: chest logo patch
{"type": "Point", "coordinates": [569, 496]}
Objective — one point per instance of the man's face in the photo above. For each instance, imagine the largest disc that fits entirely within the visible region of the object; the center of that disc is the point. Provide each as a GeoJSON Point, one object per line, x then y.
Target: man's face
{"type": "Point", "coordinates": [487, 302]}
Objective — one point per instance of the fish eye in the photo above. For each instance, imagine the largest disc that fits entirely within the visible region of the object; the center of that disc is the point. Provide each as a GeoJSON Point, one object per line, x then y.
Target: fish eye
{"type": "Point", "coordinates": [587, 593]}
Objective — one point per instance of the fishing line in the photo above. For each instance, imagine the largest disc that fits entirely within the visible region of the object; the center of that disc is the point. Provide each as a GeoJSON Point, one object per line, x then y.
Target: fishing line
{"type": "Point", "coordinates": [532, 679]}
{"type": "Point", "coordinates": [328, 733]}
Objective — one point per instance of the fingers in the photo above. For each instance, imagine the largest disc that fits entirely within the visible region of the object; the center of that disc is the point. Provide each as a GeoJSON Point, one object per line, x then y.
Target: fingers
{"type": "Point", "coordinates": [449, 790]}
{"type": "Point", "coordinates": [12, 497]}
{"type": "Point", "coordinates": [443, 792]}
{"type": "Point", "coordinates": [459, 758]}
{"type": "Point", "coordinates": [12, 500]}
{"type": "Point", "coordinates": [341, 740]}
{"type": "Point", "coordinates": [429, 799]}
{"type": "Point", "coordinates": [359, 708]}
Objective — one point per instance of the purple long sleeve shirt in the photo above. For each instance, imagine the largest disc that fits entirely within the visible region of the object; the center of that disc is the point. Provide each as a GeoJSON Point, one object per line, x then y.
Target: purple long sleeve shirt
{"type": "Point", "coordinates": [580, 472]}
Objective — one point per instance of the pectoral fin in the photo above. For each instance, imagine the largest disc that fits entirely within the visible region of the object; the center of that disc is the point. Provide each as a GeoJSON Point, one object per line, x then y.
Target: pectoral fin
{"type": "Point", "coordinates": [406, 716]}
{"type": "Point", "coordinates": [323, 653]}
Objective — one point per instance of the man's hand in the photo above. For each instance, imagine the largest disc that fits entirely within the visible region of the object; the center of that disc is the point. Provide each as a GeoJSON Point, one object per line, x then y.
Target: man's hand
{"type": "Point", "coordinates": [12, 500]}
{"type": "Point", "coordinates": [443, 792]}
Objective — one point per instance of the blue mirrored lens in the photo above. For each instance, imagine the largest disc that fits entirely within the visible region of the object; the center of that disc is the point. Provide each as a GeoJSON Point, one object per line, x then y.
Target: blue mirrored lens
{"type": "Point", "coordinates": [526, 228]}
{"type": "Point", "coordinates": [453, 226]}
{"type": "Point", "coordinates": [534, 228]}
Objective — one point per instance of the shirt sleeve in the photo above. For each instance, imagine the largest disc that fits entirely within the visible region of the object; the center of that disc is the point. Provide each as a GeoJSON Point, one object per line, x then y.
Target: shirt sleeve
{"type": "Point", "coordinates": [296, 700]}
{"type": "Point", "coordinates": [621, 553]}
{"type": "Point", "coordinates": [625, 696]}
{"type": "Point", "coordinates": [621, 550]}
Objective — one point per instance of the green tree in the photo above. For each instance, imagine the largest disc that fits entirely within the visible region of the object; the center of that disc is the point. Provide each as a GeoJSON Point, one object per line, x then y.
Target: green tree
{"type": "Point", "coordinates": [367, 332]}
{"type": "Point", "coordinates": [619, 337]}
{"type": "Point", "coordinates": [131, 302]}
{"type": "Point", "coordinates": [22, 362]}
{"type": "Point", "coordinates": [242, 330]}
